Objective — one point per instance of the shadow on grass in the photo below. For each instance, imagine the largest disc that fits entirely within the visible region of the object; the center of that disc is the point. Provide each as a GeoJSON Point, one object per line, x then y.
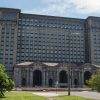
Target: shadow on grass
{"type": "Point", "coordinates": [3, 97]}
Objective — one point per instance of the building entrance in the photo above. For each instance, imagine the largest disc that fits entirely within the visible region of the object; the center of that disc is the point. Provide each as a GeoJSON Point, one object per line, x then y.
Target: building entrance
{"type": "Point", "coordinates": [37, 78]}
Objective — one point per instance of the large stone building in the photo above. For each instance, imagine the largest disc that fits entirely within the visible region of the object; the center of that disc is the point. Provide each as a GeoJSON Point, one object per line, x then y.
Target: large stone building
{"type": "Point", "coordinates": [47, 39]}
{"type": "Point", "coordinates": [37, 74]}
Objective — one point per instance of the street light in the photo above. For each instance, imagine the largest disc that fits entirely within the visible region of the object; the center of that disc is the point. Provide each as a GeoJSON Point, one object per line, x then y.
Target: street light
{"type": "Point", "coordinates": [69, 65]}
{"type": "Point", "coordinates": [69, 61]}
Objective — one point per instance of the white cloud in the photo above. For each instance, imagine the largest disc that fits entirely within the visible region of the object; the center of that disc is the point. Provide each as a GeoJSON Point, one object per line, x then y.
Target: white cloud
{"type": "Point", "coordinates": [87, 6]}
{"type": "Point", "coordinates": [67, 7]}
{"type": "Point", "coordinates": [52, 7]}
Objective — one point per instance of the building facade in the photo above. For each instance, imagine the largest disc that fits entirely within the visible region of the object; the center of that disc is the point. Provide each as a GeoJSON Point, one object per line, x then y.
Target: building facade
{"type": "Point", "coordinates": [43, 74]}
{"type": "Point", "coordinates": [52, 39]}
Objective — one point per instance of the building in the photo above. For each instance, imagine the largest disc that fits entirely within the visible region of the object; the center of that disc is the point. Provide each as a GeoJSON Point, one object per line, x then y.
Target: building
{"type": "Point", "coordinates": [51, 39]}
{"type": "Point", "coordinates": [37, 74]}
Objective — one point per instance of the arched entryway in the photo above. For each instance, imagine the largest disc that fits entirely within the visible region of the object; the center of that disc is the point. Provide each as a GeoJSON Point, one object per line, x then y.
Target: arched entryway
{"type": "Point", "coordinates": [76, 82]}
{"type": "Point", "coordinates": [23, 82]}
{"type": "Point", "coordinates": [63, 78]}
{"type": "Point", "coordinates": [37, 78]}
{"type": "Point", "coordinates": [87, 76]}
{"type": "Point", "coordinates": [50, 82]}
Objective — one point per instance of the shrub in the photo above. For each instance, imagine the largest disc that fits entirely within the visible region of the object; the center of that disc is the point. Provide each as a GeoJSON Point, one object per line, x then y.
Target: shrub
{"type": "Point", "coordinates": [6, 84]}
{"type": "Point", "coordinates": [94, 82]}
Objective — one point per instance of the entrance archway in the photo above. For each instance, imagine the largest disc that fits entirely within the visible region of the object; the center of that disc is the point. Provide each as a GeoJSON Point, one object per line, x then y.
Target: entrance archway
{"type": "Point", "coordinates": [63, 78]}
{"type": "Point", "coordinates": [37, 78]}
{"type": "Point", "coordinates": [50, 82]}
{"type": "Point", "coordinates": [23, 82]}
{"type": "Point", "coordinates": [76, 82]}
{"type": "Point", "coordinates": [87, 76]}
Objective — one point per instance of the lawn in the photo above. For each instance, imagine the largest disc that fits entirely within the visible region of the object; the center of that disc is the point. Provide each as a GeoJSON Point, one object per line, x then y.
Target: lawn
{"type": "Point", "coordinates": [29, 96]}
{"type": "Point", "coordinates": [21, 96]}
{"type": "Point", "coordinates": [70, 98]}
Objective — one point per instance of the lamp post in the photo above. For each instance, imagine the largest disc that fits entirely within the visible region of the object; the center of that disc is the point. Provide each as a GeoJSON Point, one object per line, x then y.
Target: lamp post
{"type": "Point", "coordinates": [69, 64]}
{"type": "Point", "coordinates": [68, 61]}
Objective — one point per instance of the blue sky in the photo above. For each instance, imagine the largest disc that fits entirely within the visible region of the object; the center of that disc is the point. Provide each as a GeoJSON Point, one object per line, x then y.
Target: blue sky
{"type": "Point", "coordinates": [66, 8]}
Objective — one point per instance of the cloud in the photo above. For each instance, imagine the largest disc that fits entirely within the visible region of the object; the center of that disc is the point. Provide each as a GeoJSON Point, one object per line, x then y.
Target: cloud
{"type": "Point", "coordinates": [87, 6]}
{"type": "Point", "coordinates": [52, 7]}
{"type": "Point", "coordinates": [70, 8]}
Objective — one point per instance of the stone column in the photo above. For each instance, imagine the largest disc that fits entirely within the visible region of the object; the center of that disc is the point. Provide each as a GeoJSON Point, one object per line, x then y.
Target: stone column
{"type": "Point", "coordinates": [52, 76]}
{"type": "Point", "coordinates": [43, 82]}
{"type": "Point", "coordinates": [72, 80]}
{"type": "Point", "coordinates": [42, 78]}
{"type": "Point", "coordinates": [47, 79]}
{"type": "Point", "coordinates": [79, 78]}
{"type": "Point", "coordinates": [57, 74]}
{"type": "Point", "coordinates": [17, 77]}
{"type": "Point", "coordinates": [31, 78]}
{"type": "Point", "coordinates": [20, 78]}
{"type": "Point", "coordinates": [82, 78]}
{"type": "Point", "coordinates": [27, 77]}
{"type": "Point", "coordinates": [55, 78]}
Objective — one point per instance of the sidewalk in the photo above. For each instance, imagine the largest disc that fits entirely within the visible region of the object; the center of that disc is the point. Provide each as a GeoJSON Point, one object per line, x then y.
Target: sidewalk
{"type": "Point", "coordinates": [86, 94]}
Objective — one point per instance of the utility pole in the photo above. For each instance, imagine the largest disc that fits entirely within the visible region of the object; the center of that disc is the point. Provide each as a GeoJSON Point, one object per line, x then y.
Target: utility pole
{"type": "Point", "coordinates": [68, 61]}
{"type": "Point", "coordinates": [69, 65]}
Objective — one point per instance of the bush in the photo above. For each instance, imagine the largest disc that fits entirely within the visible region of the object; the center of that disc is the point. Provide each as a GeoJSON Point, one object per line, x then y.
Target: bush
{"type": "Point", "coordinates": [94, 82]}
{"type": "Point", "coordinates": [6, 84]}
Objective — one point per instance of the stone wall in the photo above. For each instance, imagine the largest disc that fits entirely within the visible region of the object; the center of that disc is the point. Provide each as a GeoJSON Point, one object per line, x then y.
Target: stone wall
{"type": "Point", "coordinates": [43, 75]}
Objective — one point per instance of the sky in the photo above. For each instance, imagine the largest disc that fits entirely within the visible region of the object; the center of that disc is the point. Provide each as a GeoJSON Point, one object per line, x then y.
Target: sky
{"type": "Point", "coordinates": [64, 8]}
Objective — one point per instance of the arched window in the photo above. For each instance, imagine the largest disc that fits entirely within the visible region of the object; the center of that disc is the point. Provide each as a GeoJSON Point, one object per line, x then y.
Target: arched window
{"type": "Point", "coordinates": [87, 76]}
{"type": "Point", "coordinates": [50, 82]}
{"type": "Point", "coordinates": [37, 78]}
{"type": "Point", "coordinates": [63, 78]}
{"type": "Point", "coordinates": [76, 82]}
{"type": "Point", "coordinates": [23, 82]}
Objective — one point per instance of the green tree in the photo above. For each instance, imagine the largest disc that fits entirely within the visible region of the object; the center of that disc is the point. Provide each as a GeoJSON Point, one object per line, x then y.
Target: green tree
{"type": "Point", "coordinates": [6, 84]}
{"type": "Point", "coordinates": [94, 82]}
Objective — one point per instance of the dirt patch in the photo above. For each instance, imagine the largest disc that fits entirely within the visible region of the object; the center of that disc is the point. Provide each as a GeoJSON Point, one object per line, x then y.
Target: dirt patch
{"type": "Point", "coordinates": [50, 98]}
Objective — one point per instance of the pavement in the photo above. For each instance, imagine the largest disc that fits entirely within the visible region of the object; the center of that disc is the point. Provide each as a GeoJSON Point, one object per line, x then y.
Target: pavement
{"type": "Point", "coordinates": [86, 94]}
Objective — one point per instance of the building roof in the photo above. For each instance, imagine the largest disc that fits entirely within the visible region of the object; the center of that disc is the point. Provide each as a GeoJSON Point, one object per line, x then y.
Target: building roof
{"type": "Point", "coordinates": [30, 63]}
{"type": "Point", "coordinates": [96, 65]}
{"type": "Point", "coordinates": [51, 64]}
{"type": "Point", "coordinates": [24, 64]}
{"type": "Point", "coordinates": [10, 9]}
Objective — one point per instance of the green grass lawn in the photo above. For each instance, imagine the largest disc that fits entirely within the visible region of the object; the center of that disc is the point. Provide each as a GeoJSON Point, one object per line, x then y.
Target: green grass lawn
{"type": "Point", "coordinates": [29, 96]}
{"type": "Point", "coordinates": [70, 98]}
{"type": "Point", "coordinates": [21, 96]}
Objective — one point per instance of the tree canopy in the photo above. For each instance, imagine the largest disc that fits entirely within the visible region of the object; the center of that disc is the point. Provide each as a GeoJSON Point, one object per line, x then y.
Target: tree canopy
{"type": "Point", "coordinates": [6, 84]}
{"type": "Point", "coordinates": [94, 82]}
